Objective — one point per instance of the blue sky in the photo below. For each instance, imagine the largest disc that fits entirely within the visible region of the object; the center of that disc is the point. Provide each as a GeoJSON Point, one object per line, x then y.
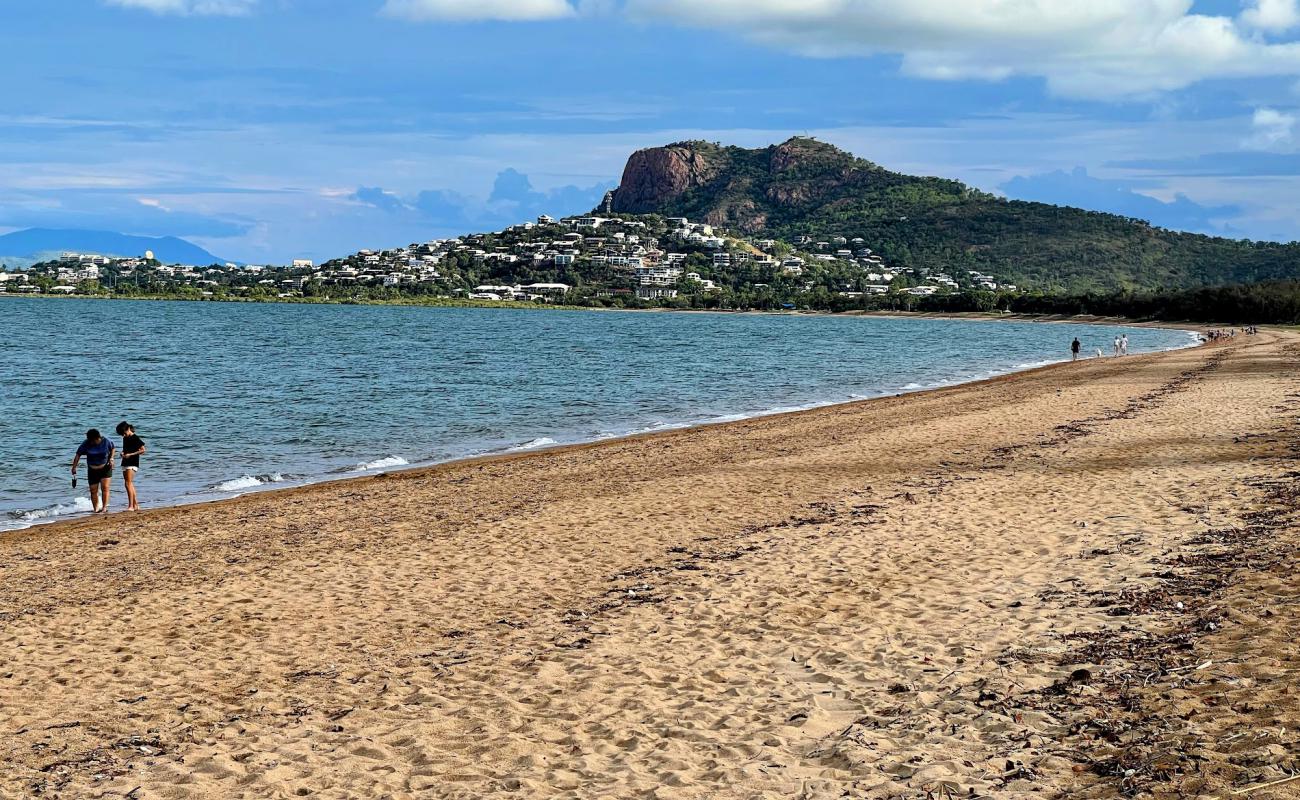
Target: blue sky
{"type": "Point", "coordinates": [266, 130]}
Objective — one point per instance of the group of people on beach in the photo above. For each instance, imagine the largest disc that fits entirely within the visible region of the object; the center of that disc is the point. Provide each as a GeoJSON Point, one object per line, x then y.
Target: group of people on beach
{"type": "Point", "coordinates": [1121, 347]}
{"type": "Point", "coordinates": [100, 452]}
{"type": "Point", "coordinates": [1220, 334]}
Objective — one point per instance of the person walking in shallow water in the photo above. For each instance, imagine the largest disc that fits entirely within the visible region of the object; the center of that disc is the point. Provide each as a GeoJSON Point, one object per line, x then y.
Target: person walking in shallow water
{"type": "Point", "coordinates": [98, 451]}
{"type": "Point", "coordinates": [1074, 349]}
{"type": "Point", "coordinates": [132, 449]}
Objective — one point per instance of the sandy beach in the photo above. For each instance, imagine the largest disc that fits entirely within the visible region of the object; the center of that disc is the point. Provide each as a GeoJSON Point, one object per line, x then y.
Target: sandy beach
{"type": "Point", "coordinates": [1075, 581]}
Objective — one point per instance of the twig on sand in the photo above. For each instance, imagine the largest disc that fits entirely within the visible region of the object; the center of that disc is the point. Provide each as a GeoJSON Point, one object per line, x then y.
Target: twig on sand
{"type": "Point", "coordinates": [1270, 784]}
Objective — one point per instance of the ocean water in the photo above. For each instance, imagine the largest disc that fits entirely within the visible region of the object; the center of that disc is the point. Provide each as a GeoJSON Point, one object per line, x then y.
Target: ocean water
{"type": "Point", "coordinates": [233, 398]}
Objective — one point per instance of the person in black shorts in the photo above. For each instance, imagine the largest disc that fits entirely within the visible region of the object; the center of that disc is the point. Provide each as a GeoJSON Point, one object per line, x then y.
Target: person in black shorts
{"type": "Point", "coordinates": [98, 451]}
{"type": "Point", "coordinates": [132, 447]}
{"type": "Point", "coordinates": [1074, 350]}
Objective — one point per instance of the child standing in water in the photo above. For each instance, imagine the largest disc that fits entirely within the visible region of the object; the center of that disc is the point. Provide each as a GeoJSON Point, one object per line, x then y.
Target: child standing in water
{"type": "Point", "coordinates": [98, 451]}
{"type": "Point", "coordinates": [132, 448]}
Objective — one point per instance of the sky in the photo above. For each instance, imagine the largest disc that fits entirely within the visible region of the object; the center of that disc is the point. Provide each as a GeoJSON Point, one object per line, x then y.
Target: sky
{"type": "Point", "coordinates": [267, 130]}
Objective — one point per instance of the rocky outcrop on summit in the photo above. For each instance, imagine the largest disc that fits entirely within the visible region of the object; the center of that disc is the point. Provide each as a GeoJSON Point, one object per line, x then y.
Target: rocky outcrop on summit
{"type": "Point", "coordinates": [739, 188]}
{"type": "Point", "coordinates": [658, 175]}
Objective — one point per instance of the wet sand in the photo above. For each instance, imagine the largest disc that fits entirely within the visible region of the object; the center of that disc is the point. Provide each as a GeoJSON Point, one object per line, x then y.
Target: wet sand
{"type": "Point", "coordinates": [1077, 580]}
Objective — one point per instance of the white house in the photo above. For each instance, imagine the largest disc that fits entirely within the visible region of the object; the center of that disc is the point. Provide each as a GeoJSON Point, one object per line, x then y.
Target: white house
{"type": "Point", "coordinates": [547, 289]}
{"type": "Point", "coordinates": [655, 292]}
{"type": "Point", "coordinates": [658, 276]}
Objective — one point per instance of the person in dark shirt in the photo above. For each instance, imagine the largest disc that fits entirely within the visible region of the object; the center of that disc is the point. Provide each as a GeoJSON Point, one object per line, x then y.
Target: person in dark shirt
{"type": "Point", "coordinates": [1074, 350]}
{"type": "Point", "coordinates": [132, 447]}
{"type": "Point", "coordinates": [98, 451]}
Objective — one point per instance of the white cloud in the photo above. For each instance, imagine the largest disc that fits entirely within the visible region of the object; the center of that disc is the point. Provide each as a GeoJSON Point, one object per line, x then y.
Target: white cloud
{"type": "Point", "coordinates": [1097, 49]}
{"type": "Point", "coordinates": [230, 8]}
{"type": "Point", "coordinates": [1272, 129]}
{"type": "Point", "coordinates": [1272, 15]}
{"type": "Point", "coordinates": [474, 10]}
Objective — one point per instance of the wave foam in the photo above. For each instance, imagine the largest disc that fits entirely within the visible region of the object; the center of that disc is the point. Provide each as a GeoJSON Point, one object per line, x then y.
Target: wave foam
{"type": "Point", "coordinates": [248, 482]}
{"type": "Point", "coordinates": [79, 506]}
{"type": "Point", "coordinates": [533, 444]}
{"type": "Point", "coordinates": [381, 463]}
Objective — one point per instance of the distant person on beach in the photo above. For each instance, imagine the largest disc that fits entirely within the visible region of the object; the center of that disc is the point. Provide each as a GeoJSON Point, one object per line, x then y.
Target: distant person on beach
{"type": "Point", "coordinates": [1116, 345]}
{"type": "Point", "coordinates": [1074, 349]}
{"type": "Point", "coordinates": [98, 451]}
{"type": "Point", "coordinates": [132, 448]}
{"type": "Point", "coordinates": [1123, 345]}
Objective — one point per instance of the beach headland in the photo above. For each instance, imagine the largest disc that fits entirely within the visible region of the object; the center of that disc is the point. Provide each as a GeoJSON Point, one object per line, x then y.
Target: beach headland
{"type": "Point", "coordinates": [1075, 580]}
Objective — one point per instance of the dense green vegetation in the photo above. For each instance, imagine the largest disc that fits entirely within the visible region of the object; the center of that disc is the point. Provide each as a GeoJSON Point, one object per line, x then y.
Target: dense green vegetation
{"type": "Point", "coordinates": [807, 188]}
{"type": "Point", "coordinates": [1275, 302]}
{"type": "Point", "coordinates": [1266, 303]}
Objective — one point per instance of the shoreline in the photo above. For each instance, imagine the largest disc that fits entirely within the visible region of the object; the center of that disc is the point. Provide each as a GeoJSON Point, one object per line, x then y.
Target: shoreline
{"type": "Point", "coordinates": [1078, 319]}
{"type": "Point", "coordinates": [430, 468]}
{"type": "Point", "coordinates": [957, 592]}
{"type": "Point", "coordinates": [436, 303]}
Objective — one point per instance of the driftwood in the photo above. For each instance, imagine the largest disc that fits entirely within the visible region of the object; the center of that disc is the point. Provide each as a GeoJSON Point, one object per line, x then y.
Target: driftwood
{"type": "Point", "coordinates": [1268, 785]}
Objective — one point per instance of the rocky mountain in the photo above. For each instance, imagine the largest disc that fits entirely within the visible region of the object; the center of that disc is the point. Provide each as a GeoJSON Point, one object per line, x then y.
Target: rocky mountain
{"type": "Point", "coordinates": [803, 187]}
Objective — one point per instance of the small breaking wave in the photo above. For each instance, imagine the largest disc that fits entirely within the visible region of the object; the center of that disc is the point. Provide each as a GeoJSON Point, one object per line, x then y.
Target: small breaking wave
{"type": "Point", "coordinates": [1037, 364]}
{"type": "Point", "coordinates": [79, 506]}
{"type": "Point", "coordinates": [381, 463]}
{"type": "Point", "coordinates": [533, 444]}
{"type": "Point", "coordinates": [248, 482]}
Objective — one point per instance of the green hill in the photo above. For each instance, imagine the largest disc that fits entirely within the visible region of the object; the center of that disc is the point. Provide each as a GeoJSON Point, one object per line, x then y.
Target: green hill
{"type": "Point", "coordinates": [808, 188]}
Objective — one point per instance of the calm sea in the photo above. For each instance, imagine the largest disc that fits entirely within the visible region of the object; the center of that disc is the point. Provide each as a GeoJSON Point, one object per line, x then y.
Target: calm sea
{"type": "Point", "coordinates": [232, 398]}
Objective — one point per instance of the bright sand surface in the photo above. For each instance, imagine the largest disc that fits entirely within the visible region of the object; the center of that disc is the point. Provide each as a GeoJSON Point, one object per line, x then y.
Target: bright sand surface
{"type": "Point", "coordinates": [1000, 589]}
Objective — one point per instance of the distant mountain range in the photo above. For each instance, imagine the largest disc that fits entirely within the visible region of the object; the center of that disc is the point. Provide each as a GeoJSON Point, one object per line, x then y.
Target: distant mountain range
{"type": "Point", "coordinates": [803, 187]}
{"type": "Point", "coordinates": [23, 248]}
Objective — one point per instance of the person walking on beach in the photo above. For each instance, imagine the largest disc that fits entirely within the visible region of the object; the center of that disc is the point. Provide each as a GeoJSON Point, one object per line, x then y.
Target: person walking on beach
{"type": "Point", "coordinates": [132, 448]}
{"type": "Point", "coordinates": [1123, 345]}
{"type": "Point", "coordinates": [98, 451]}
{"type": "Point", "coordinates": [1074, 349]}
{"type": "Point", "coordinates": [1116, 345]}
